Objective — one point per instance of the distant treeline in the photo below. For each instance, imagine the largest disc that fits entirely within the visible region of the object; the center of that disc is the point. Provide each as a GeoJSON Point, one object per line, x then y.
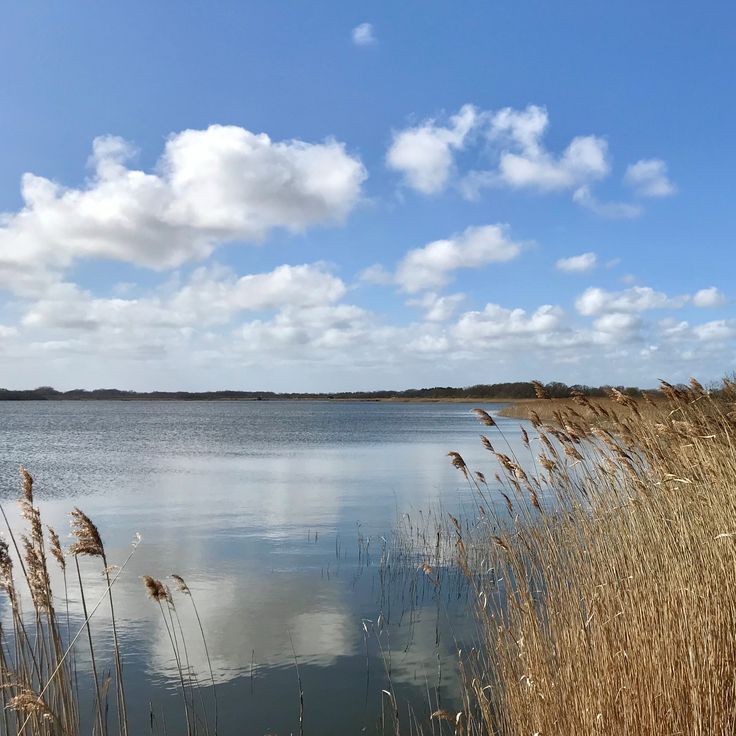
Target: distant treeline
{"type": "Point", "coordinates": [516, 390]}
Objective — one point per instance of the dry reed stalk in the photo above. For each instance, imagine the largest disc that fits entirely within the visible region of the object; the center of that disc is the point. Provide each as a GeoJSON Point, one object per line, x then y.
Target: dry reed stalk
{"type": "Point", "coordinates": [159, 593]}
{"type": "Point", "coordinates": [182, 587]}
{"type": "Point", "coordinates": [98, 695]}
{"type": "Point", "coordinates": [89, 543]}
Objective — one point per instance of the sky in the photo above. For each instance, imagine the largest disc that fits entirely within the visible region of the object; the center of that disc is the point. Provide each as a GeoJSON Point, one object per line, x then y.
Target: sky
{"type": "Point", "coordinates": [336, 196]}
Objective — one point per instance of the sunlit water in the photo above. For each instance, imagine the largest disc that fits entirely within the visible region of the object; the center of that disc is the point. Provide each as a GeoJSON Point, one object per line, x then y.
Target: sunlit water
{"type": "Point", "coordinates": [278, 515]}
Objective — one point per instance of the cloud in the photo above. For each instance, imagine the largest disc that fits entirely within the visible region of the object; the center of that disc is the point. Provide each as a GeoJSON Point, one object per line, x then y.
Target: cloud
{"type": "Point", "coordinates": [6, 331]}
{"type": "Point", "coordinates": [717, 331]}
{"type": "Point", "coordinates": [577, 264]}
{"type": "Point", "coordinates": [595, 301]}
{"type": "Point", "coordinates": [216, 327]}
{"type": "Point", "coordinates": [495, 322]}
{"type": "Point", "coordinates": [424, 155]}
{"type": "Point", "coordinates": [509, 149]}
{"type": "Point", "coordinates": [648, 178]}
{"type": "Point", "coordinates": [429, 267]}
{"type": "Point", "coordinates": [363, 35]}
{"type": "Point", "coordinates": [672, 329]}
{"type": "Point", "coordinates": [611, 210]}
{"type": "Point", "coordinates": [312, 333]}
{"type": "Point", "coordinates": [617, 326]}
{"type": "Point", "coordinates": [212, 296]}
{"type": "Point", "coordinates": [707, 334]}
{"type": "Point", "coordinates": [710, 297]}
{"type": "Point", "coordinates": [524, 162]}
{"type": "Point", "coordinates": [429, 344]}
{"type": "Point", "coordinates": [376, 274]}
{"type": "Point", "coordinates": [438, 308]}
{"type": "Point", "coordinates": [210, 186]}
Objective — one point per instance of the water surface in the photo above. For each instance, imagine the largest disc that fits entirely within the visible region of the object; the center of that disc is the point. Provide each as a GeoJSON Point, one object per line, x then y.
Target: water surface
{"type": "Point", "coordinates": [279, 515]}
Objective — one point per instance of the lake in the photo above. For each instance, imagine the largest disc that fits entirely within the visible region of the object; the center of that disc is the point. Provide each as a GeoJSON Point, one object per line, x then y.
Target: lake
{"type": "Point", "coordinates": [279, 515]}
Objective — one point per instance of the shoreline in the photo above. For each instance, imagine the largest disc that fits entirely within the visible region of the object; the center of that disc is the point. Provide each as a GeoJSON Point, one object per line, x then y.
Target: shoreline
{"type": "Point", "coordinates": [285, 399]}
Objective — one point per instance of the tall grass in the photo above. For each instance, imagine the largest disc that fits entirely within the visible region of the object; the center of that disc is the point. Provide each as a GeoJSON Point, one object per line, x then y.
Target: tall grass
{"type": "Point", "coordinates": [610, 606]}
{"type": "Point", "coordinates": [40, 690]}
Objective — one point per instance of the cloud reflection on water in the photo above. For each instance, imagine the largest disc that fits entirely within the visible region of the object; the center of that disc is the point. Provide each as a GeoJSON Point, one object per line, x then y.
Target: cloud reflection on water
{"type": "Point", "coordinates": [236, 515]}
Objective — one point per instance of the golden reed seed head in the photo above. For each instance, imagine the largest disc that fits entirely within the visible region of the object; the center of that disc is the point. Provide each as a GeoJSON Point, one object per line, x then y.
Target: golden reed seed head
{"type": "Point", "coordinates": [484, 417]}
{"type": "Point", "coordinates": [88, 541]}
{"type": "Point", "coordinates": [540, 390]}
{"type": "Point", "coordinates": [29, 702]}
{"type": "Point", "coordinates": [6, 570]}
{"type": "Point", "coordinates": [27, 481]}
{"type": "Point", "coordinates": [458, 462]}
{"type": "Point", "coordinates": [181, 586]}
{"type": "Point", "coordinates": [507, 500]}
{"type": "Point", "coordinates": [546, 463]}
{"type": "Point", "coordinates": [486, 443]}
{"type": "Point", "coordinates": [697, 387]}
{"type": "Point", "coordinates": [156, 589]}
{"type": "Point", "coordinates": [501, 543]}
{"type": "Point", "coordinates": [56, 550]}
{"type": "Point", "coordinates": [505, 461]}
{"type": "Point", "coordinates": [37, 574]}
{"type": "Point", "coordinates": [33, 516]}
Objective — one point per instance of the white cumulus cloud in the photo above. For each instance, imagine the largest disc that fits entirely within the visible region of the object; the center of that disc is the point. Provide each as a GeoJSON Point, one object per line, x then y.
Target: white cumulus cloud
{"type": "Point", "coordinates": [595, 301]}
{"type": "Point", "coordinates": [717, 331]}
{"type": "Point", "coordinates": [497, 322]}
{"type": "Point", "coordinates": [210, 186]}
{"type": "Point", "coordinates": [312, 333]}
{"type": "Point", "coordinates": [212, 296]}
{"type": "Point", "coordinates": [438, 308]}
{"type": "Point", "coordinates": [508, 150]}
{"type": "Point", "coordinates": [424, 155]}
{"type": "Point", "coordinates": [577, 264]}
{"type": "Point", "coordinates": [617, 326]}
{"type": "Point", "coordinates": [524, 161]}
{"type": "Point", "coordinates": [648, 178]}
{"type": "Point", "coordinates": [710, 297]}
{"type": "Point", "coordinates": [376, 274]}
{"type": "Point", "coordinates": [363, 35]}
{"type": "Point", "coordinates": [429, 267]}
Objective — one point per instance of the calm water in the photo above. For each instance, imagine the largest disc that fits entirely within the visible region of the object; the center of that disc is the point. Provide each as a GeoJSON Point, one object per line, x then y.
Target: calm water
{"type": "Point", "coordinates": [277, 514]}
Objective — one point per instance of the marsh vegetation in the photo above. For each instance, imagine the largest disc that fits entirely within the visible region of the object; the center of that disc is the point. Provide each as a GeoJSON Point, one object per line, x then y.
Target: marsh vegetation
{"type": "Point", "coordinates": [611, 605]}
{"type": "Point", "coordinates": [596, 560]}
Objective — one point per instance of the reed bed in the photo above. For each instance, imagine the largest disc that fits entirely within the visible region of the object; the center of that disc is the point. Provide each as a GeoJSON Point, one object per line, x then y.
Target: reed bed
{"type": "Point", "coordinates": [612, 541]}
{"type": "Point", "coordinates": [546, 409]}
{"type": "Point", "coordinates": [42, 690]}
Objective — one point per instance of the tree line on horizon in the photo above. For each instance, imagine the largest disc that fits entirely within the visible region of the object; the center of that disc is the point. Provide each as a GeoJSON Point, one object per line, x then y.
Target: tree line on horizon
{"type": "Point", "coordinates": [509, 390]}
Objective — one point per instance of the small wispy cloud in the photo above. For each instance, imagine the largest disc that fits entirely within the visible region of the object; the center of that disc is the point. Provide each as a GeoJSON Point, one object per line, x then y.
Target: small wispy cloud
{"type": "Point", "coordinates": [612, 210]}
{"type": "Point", "coordinates": [648, 178]}
{"type": "Point", "coordinates": [577, 264]}
{"type": "Point", "coordinates": [363, 35]}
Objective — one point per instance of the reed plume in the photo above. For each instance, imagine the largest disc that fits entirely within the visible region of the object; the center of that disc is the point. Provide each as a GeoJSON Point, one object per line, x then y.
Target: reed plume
{"type": "Point", "coordinates": [88, 541]}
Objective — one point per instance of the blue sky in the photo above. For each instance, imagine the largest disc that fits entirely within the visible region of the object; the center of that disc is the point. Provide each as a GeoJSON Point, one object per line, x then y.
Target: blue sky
{"type": "Point", "coordinates": [444, 194]}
